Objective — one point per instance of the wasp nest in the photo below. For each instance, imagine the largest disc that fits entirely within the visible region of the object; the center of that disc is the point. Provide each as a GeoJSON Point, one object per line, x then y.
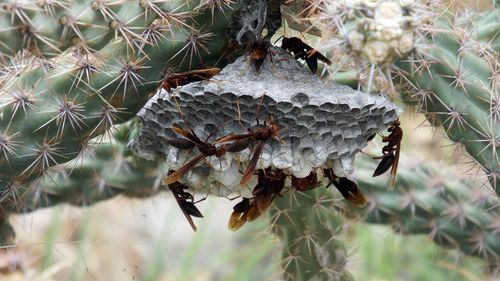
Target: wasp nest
{"type": "Point", "coordinates": [322, 124]}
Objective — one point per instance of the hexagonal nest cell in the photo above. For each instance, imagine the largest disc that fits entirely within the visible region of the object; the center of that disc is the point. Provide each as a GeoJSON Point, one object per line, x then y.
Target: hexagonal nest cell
{"type": "Point", "coordinates": [322, 124]}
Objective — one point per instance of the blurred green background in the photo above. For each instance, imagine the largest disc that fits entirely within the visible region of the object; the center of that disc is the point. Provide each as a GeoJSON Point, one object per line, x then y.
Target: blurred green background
{"type": "Point", "coordinates": [149, 240]}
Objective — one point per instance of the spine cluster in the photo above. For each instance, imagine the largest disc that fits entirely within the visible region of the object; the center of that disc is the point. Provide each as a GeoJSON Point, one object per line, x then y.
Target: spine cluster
{"type": "Point", "coordinates": [71, 71]}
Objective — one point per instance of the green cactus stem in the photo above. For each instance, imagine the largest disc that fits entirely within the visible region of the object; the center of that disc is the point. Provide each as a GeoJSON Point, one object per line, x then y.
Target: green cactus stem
{"type": "Point", "coordinates": [310, 234]}
{"type": "Point", "coordinates": [46, 28]}
{"type": "Point", "coordinates": [455, 84]}
{"type": "Point", "coordinates": [50, 114]}
{"type": "Point", "coordinates": [437, 202]}
{"type": "Point", "coordinates": [105, 170]}
{"type": "Point", "coordinates": [427, 200]}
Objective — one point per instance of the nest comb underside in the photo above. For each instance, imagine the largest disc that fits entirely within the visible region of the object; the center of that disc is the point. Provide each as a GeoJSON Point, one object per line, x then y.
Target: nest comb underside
{"type": "Point", "coordinates": [323, 123]}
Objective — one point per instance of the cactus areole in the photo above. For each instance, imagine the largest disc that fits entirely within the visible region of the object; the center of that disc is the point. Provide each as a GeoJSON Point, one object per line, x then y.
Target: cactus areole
{"type": "Point", "coordinates": [322, 125]}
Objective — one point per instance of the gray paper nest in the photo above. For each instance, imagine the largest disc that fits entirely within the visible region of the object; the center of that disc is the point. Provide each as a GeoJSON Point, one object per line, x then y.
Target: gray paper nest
{"type": "Point", "coordinates": [324, 123]}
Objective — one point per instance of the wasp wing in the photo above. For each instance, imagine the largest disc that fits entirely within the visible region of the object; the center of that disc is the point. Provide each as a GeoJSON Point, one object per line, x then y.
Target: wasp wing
{"type": "Point", "coordinates": [253, 163]}
{"type": "Point", "coordinates": [175, 176]}
{"type": "Point", "coordinates": [384, 165]}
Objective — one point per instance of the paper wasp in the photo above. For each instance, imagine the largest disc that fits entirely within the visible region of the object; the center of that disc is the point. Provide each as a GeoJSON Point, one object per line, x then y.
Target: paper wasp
{"type": "Point", "coordinates": [270, 185]}
{"type": "Point", "coordinates": [348, 188]}
{"type": "Point", "coordinates": [206, 149]}
{"type": "Point", "coordinates": [303, 51]}
{"type": "Point", "coordinates": [179, 79]}
{"type": "Point", "coordinates": [258, 52]}
{"type": "Point", "coordinates": [244, 211]}
{"type": "Point", "coordinates": [185, 201]}
{"type": "Point", "coordinates": [261, 135]}
{"type": "Point", "coordinates": [390, 157]}
{"type": "Point", "coordinates": [307, 183]}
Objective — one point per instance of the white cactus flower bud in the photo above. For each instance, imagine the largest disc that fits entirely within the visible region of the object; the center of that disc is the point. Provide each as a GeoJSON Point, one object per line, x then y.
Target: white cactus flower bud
{"type": "Point", "coordinates": [406, 43]}
{"type": "Point", "coordinates": [388, 11]}
{"type": "Point", "coordinates": [356, 40]}
{"type": "Point", "coordinates": [376, 51]}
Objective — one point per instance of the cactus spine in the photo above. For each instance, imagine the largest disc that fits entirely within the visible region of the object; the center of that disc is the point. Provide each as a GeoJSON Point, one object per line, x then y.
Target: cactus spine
{"type": "Point", "coordinates": [441, 63]}
{"type": "Point", "coordinates": [50, 114]}
{"type": "Point", "coordinates": [443, 205]}
{"type": "Point", "coordinates": [455, 84]}
{"type": "Point", "coordinates": [436, 202]}
{"type": "Point", "coordinates": [309, 230]}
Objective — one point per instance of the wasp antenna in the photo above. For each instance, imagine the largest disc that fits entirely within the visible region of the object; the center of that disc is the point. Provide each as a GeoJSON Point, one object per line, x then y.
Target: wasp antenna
{"type": "Point", "coordinates": [282, 36]}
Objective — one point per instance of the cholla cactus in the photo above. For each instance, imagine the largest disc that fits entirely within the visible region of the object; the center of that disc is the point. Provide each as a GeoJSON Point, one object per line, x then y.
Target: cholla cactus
{"type": "Point", "coordinates": [47, 27]}
{"type": "Point", "coordinates": [455, 81]}
{"type": "Point", "coordinates": [105, 170]}
{"type": "Point", "coordinates": [309, 230]}
{"type": "Point", "coordinates": [431, 200]}
{"type": "Point", "coordinates": [440, 62]}
{"type": "Point", "coordinates": [446, 206]}
{"type": "Point", "coordinates": [71, 71]}
{"type": "Point", "coordinates": [52, 108]}
{"type": "Point", "coordinates": [367, 36]}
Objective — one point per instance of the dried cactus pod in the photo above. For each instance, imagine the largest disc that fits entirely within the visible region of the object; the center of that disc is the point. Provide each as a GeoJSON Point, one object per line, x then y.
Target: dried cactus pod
{"type": "Point", "coordinates": [321, 124]}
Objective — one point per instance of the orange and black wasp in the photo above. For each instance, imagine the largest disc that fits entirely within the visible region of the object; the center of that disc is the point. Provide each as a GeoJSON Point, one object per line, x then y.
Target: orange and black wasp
{"type": "Point", "coordinates": [307, 183]}
{"type": "Point", "coordinates": [185, 201]}
{"type": "Point", "coordinates": [348, 188]}
{"type": "Point", "coordinates": [261, 135]}
{"type": "Point", "coordinates": [269, 185]}
{"type": "Point", "coordinates": [258, 52]}
{"type": "Point", "coordinates": [206, 149]}
{"type": "Point", "coordinates": [179, 79]}
{"type": "Point", "coordinates": [390, 157]}
{"type": "Point", "coordinates": [303, 51]}
{"type": "Point", "coordinates": [244, 211]}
